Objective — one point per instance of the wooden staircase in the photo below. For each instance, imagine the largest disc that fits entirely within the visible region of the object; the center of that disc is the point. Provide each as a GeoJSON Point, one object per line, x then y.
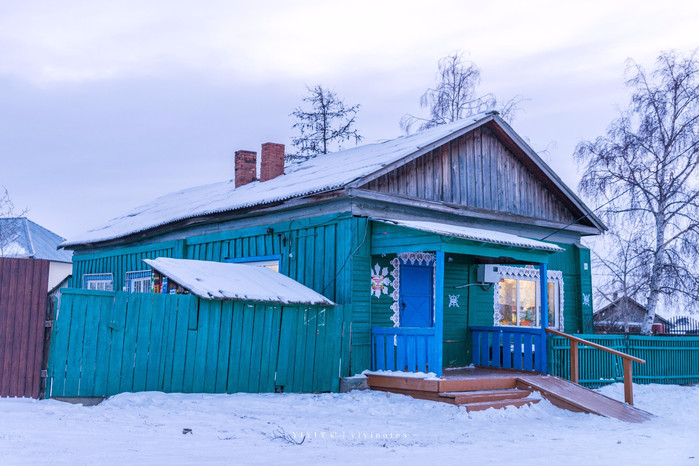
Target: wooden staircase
{"type": "Point", "coordinates": [478, 400]}
{"type": "Point", "coordinates": [483, 388]}
{"type": "Point", "coordinates": [473, 394]}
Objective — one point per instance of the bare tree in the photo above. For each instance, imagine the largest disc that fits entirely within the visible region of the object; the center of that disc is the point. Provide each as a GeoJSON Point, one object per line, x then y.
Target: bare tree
{"type": "Point", "coordinates": [9, 228]}
{"type": "Point", "coordinates": [325, 126]}
{"type": "Point", "coordinates": [646, 170]}
{"type": "Point", "coordinates": [455, 97]}
{"type": "Point", "coordinates": [616, 263]}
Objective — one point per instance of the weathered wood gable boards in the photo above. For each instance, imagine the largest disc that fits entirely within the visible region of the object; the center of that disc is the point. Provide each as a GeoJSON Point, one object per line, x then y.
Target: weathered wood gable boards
{"type": "Point", "coordinates": [477, 171]}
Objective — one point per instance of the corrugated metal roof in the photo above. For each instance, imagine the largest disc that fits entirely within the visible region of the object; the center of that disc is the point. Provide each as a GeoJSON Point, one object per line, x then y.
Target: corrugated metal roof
{"type": "Point", "coordinates": [20, 237]}
{"type": "Point", "coordinates": [320, 174]}
{"type": "Point", "coordinates": [240, 282]}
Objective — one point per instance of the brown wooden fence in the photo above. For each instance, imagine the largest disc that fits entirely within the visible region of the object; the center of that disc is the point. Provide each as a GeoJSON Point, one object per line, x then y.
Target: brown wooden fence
{"type": "Point", "coordinates": [23, 294]}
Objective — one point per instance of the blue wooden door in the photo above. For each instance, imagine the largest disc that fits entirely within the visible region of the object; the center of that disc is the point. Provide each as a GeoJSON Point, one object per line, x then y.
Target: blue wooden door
{"type": "Point", "coordinates": [415, 296]}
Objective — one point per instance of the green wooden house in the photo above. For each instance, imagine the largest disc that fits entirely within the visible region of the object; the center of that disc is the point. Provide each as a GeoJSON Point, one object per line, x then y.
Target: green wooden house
{"type": "Point", "coordinates": [432, 245]}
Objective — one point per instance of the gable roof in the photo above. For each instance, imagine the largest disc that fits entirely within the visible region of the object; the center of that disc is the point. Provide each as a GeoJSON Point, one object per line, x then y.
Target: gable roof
{"type": "Point", "coordinates": [329, 172]}
{"type": "Point", "coordinates": [20, 237]}
{"type": "Point", "coordinates": [219, 280]}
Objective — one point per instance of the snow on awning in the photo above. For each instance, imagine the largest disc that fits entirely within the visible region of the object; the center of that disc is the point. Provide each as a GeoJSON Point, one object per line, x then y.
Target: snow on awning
{"type": "Point", "coordinates": [240, 282]}
{"type": "Point", "coordinates": [474, 234]}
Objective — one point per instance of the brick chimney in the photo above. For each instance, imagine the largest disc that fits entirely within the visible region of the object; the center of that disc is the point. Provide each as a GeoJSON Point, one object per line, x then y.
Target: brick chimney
{"type": "Point", "coordinates": [245, 167]}
{"type": "Point", "coordinates": [272, 161]}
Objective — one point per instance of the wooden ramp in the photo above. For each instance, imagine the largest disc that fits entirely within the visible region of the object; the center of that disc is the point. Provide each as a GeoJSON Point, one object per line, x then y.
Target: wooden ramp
{"type": "Point", "coordinates": [482, 388]}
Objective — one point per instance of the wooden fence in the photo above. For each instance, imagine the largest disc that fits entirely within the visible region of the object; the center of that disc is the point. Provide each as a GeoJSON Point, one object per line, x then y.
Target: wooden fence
{"type": "Point", "coordinates": [106, 343]}
{"type": "Point", "coordinates": [403, 349]}
{"type": "Point", "coordinates": [520, 348]}
{"type": "Point", "coordinates": [669, 360]}
{"type": "Point", "coordinates": [23, 292]}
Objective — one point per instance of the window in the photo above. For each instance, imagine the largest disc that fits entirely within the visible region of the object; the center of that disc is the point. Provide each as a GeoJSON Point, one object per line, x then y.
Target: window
{"type": "Point", "coordinates": [271, 262]}
{"type": "Point", "coordinates": [518, 297]}
{"type": "Point", "coordinates": [98, 281]}
{"type": "Point", "coordinates": [138, 282]}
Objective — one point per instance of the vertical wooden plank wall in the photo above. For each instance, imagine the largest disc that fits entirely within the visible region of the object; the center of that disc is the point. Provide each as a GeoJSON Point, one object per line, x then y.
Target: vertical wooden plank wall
{"type": "Point", "coordinates": [119, 261]}
{"type": "Point", "coordinates": [106, 343]}
{"type": "Point", "coordinates": [475, 170]}
{"type": "Point", "coordinates": [23, 295]}
{"type": "Point", "coordinates": [329, 254]}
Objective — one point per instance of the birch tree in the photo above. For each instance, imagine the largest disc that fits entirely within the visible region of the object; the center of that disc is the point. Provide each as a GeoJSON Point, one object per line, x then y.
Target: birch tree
{"type": "Point", "coordinates": [646, 170]}
{"type": "Point", "coordinates": [454, 97]}
{"type": "Point", "coordinates": [325, 126]}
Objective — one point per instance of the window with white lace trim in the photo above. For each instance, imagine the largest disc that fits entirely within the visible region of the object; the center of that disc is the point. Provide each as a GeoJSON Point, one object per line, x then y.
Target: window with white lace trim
{"type": "Point", "coordinates": [139, 281]}
{"type": "Point", "coordinates": [520, 299]}
{"type": "Point", "coordinates": [98, 281]}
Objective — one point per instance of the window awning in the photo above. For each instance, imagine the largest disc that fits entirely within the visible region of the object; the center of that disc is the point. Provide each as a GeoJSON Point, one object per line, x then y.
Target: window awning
{"type": "Point", "coordinates": [474, 234]}
{"type": "Point", "coordinates": [240, 282]}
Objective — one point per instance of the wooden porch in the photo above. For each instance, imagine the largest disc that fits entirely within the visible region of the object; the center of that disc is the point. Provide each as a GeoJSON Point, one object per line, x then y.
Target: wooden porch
{"type": "Point", "coordinates": [480, 388]}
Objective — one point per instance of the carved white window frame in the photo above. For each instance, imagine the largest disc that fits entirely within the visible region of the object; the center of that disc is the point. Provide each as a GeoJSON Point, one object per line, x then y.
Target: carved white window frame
{"type": "Point", "coordinates": [528, 273]}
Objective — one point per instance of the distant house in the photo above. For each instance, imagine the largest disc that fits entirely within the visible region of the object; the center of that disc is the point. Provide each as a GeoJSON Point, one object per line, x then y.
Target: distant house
{"type": "Point", "coordinates": [23, 239]}
{"type": "Point", "coordinates": [419, 240]}
{"type": "Point", "coordinates": [625, 315]}
{"type": "Point", "coordinates": [31, 269]}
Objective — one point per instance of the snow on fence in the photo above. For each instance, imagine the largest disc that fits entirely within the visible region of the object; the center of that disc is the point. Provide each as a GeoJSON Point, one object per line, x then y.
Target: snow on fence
{"type": "Point", "coordinates": [106, 343]}
{"type": "Point", "coordinates": [669, 360]}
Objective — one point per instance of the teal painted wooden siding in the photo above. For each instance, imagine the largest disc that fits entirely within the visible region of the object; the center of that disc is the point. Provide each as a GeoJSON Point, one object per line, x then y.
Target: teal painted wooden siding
{"type": "Point", "coordinates": [106, 343]}
{"type": "Point", "coordinates": [327, 253]}
{"type": "Point", "coordinates": [669, 360]}
{"type": "Point", "coordinates": [457, 338]}
{"type": "Point", "coordinates": [119, 261]}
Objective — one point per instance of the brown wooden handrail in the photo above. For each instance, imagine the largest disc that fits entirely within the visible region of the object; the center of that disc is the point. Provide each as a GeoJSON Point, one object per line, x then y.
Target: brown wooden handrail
{"type": "Point", "coordinates": [575, 366]}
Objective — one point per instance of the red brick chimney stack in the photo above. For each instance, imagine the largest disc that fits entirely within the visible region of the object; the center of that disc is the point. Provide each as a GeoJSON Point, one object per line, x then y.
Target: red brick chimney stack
{"type": "Point", "coordinates": [272, 161]}
{"type": "Point", "coordinates": [245, 167]}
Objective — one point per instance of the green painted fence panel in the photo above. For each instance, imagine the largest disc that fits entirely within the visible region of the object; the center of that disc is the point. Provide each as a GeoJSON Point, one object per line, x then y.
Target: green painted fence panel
{"type": "Point", "coordinates": [224, 347]}
{"type": "Point", "coordinates": [75, 346]}
{"type": "Point", "coordinates": [106, 343]}
{"type": "Point", "coordinates": [211, 350]}
{"type": "Point", "coordinates": [59, 344]}
{"type": "Point", "coordinates": [103, 337]}
{"type": "Point", "coordinates": [669, 360]}
{"type": "Point", "coordinates": [234, 353]}
{"type": "Point", "coordinates": [117, 326]}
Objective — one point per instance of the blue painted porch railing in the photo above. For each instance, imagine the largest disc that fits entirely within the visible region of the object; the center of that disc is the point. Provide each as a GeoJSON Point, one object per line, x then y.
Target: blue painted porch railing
{"type": "Point", "coordinates": [519, 348]}
{"type": "Point", "coordinates": [410, 349]}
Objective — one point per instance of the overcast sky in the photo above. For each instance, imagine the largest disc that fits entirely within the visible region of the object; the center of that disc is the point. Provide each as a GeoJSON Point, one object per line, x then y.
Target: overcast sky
{"type": "Point", "coordinates": [106, 105]}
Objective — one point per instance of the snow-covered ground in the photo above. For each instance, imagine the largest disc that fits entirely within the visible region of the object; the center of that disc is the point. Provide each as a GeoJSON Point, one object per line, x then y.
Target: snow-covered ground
{"type": "Point", "coordinates": [353, 428]}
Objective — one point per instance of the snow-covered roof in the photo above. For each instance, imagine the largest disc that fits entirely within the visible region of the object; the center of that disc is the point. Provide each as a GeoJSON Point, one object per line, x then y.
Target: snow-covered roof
{"type": "Point", "coordinates": [20, 237]}
{"type": "Point", "coordinates": [241, 282]}
{"type": "Point", "coordinates": [474, 234]}
{"type": "Point", "coordinates": [326, 173]}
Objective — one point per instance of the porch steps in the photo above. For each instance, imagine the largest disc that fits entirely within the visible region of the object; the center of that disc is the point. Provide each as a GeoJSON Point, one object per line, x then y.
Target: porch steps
{"type": "Point", "coordinates": [483, 388]}
{"type": "Point", "coordinates": [473, 394]}
{"type": "Point", "coordinates": [479, 400]}
{"type": "Point", "coordinates": [478, 396]}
